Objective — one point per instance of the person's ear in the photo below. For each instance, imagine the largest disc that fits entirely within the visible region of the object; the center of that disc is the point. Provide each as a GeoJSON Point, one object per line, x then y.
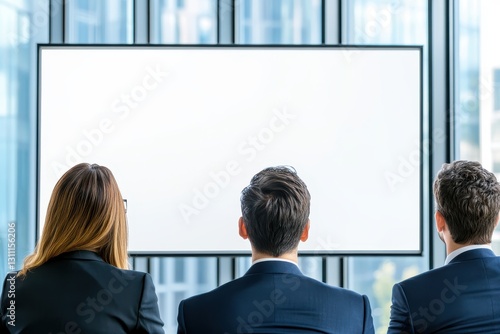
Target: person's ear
{"type": "Point", "coordinates": [242, 228]}
{"type": "Point", "coordinates": [440, 222]}
{"type": "Point", "coordinates": [305, 233]}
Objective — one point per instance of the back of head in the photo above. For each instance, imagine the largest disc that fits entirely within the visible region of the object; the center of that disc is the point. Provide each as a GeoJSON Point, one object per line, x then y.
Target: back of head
{"type": "Point", "coordinates": [468, 197]}
{"type": "Point", "coordinates": [275, 209]}
{"type": "Point", "coordinates": [85, 212]}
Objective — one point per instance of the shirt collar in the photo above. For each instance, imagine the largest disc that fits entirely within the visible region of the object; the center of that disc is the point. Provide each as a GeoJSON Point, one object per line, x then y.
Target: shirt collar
{"type": "Point", "coordinates": [464, 249]}
{"type": "Point", "coordinates": [274, 266]}
{"type": "Point", "coordinates": [267, 259]}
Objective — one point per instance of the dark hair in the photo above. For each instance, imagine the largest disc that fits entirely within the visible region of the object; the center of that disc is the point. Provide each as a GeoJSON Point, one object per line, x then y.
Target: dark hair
{"type": "Point", "coordinates": [85, 212]}
{"type": "Point", "coordinates": [468, 197]}
{"type": "Point", "coordinates": [275, 209]}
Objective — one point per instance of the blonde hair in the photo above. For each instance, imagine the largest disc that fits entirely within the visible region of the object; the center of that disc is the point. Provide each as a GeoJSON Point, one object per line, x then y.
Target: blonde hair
{"type": "Point", "coordinates": [85, 212]}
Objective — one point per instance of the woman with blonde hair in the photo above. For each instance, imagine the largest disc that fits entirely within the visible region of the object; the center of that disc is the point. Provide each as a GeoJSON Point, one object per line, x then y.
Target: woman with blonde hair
{"type": "Point", "coordinates": [76, 280]}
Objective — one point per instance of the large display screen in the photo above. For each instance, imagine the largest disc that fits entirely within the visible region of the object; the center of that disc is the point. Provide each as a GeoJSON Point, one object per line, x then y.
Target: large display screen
{"type": "Point", "coordinates": [184, 128]}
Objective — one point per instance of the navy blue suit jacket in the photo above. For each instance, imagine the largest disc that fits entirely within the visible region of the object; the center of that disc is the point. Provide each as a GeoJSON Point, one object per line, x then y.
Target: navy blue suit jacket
{"type": "Point", "coordinates": [460, 297]}
{"type": "Point", "coordinates": [77, 293]}
{"type": "Point", "coordinates": [275, 297]}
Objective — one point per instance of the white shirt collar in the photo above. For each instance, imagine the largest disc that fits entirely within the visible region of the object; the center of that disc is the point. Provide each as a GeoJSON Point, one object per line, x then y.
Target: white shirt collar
{"type": "Point", "coordinates": [464, 249]}
{"type": "Point", "coordinates": [267, 259]}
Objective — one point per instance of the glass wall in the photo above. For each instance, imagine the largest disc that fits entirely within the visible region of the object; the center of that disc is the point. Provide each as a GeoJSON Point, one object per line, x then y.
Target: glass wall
{"type": "Point", "coordinates": [23, 24]}
{"type": "Point", "coordinates": [179, 278]}
{"type": "Point", "coordinates": [467, 29]}
{"type": "Point", "coordinates": [278, 21]}
{"type": "Point", "coordinates": [97, 21]}
{"type": "Point", "coordinates": [477, 85]}
{"type": "Point", "coordinates": [184, 22]}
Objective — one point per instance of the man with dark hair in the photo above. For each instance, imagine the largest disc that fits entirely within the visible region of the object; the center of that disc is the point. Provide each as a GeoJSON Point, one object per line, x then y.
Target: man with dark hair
{"type": "Point", "coordinates": [274, 296]}
{"type": "Point", "coordinates": [463, 296]}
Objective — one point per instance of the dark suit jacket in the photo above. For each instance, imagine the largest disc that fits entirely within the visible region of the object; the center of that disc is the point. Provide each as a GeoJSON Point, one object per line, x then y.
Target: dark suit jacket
{"type": "Point", "coordinates": [275, 297]}
{"type": "Point", "coordinates": [460, 297]}
{"type": "Point", "coordinates": [77, 292]}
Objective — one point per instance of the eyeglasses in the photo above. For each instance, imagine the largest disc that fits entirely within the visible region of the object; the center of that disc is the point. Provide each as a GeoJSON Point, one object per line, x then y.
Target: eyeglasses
{"type": "Point", "coordinates": [125, 204]}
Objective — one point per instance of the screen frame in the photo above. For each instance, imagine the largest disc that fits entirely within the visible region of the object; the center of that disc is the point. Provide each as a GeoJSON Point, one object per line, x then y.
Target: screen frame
{"type": "Point", "coordinates": [347, 48]}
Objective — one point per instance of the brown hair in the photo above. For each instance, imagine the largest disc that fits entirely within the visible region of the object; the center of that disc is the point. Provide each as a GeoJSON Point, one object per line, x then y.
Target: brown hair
{"type": "Point", "coordinates": [468, 197]}
{"type": "Point", "coordinates": [85, 212]}
{"type": "Point", "coordinates": [275, 209]}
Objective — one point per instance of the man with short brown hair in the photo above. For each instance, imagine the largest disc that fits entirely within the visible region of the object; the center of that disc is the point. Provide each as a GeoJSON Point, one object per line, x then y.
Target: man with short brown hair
{"type": "Point", "coordinates": [274, 296]}
{"type": "Point", "coordinates": [463, 296]}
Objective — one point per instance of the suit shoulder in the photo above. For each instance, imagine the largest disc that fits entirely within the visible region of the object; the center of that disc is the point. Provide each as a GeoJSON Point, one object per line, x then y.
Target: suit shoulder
{"type": "Point", "coordinates": [132, 275]}
{"type": "Point", "coordinates": [330, 288]}
{"type": "Point", "coordinates": [290, 282]}
{"type": "Point", "coordinates": [489, 265]}
{"type": "Point", "coordinates": [222, 289]}
{"type": "Point", "coordinates": [425, 276]}
{"type": "Point", "coordinates": [133, 272]}
{"type": "Point", "coordinates": [108, 272]}
{"type": "Point", "coordinates": [422, 280]}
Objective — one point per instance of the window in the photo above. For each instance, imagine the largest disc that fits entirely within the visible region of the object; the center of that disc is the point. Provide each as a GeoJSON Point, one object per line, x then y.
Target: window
{"type": "Point", "coordinates": [278, 21]}
{"type": "Point", "coordinates": [467, 80]}
{"type": "Point", "coordinates": [23, 24]}
{"type": "Point", "coordinates": [477, 86]}
{"type": "Point", "coordinates": [96, 21]}
{"type": "Point", "coordinates": [186, 21]}
{"type": "Point", "coordinates": [177, 278]}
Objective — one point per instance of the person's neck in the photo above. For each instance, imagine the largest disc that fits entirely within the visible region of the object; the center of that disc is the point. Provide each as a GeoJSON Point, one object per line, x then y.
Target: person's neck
{"type": "Point", "coordinates": [291, 256]}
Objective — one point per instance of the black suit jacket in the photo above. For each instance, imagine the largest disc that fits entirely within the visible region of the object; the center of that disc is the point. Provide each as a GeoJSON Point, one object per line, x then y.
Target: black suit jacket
{"type": "Point", "coordinates": [77, 293]}
{"type": "Point", "coordinates": [275, 297]}
{"type": "Point", "coordinates": [460, 297]}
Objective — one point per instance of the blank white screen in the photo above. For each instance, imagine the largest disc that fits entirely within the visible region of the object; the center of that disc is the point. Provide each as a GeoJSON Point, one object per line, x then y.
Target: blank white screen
{"type": "Point", "coordinates": [184, 129]}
